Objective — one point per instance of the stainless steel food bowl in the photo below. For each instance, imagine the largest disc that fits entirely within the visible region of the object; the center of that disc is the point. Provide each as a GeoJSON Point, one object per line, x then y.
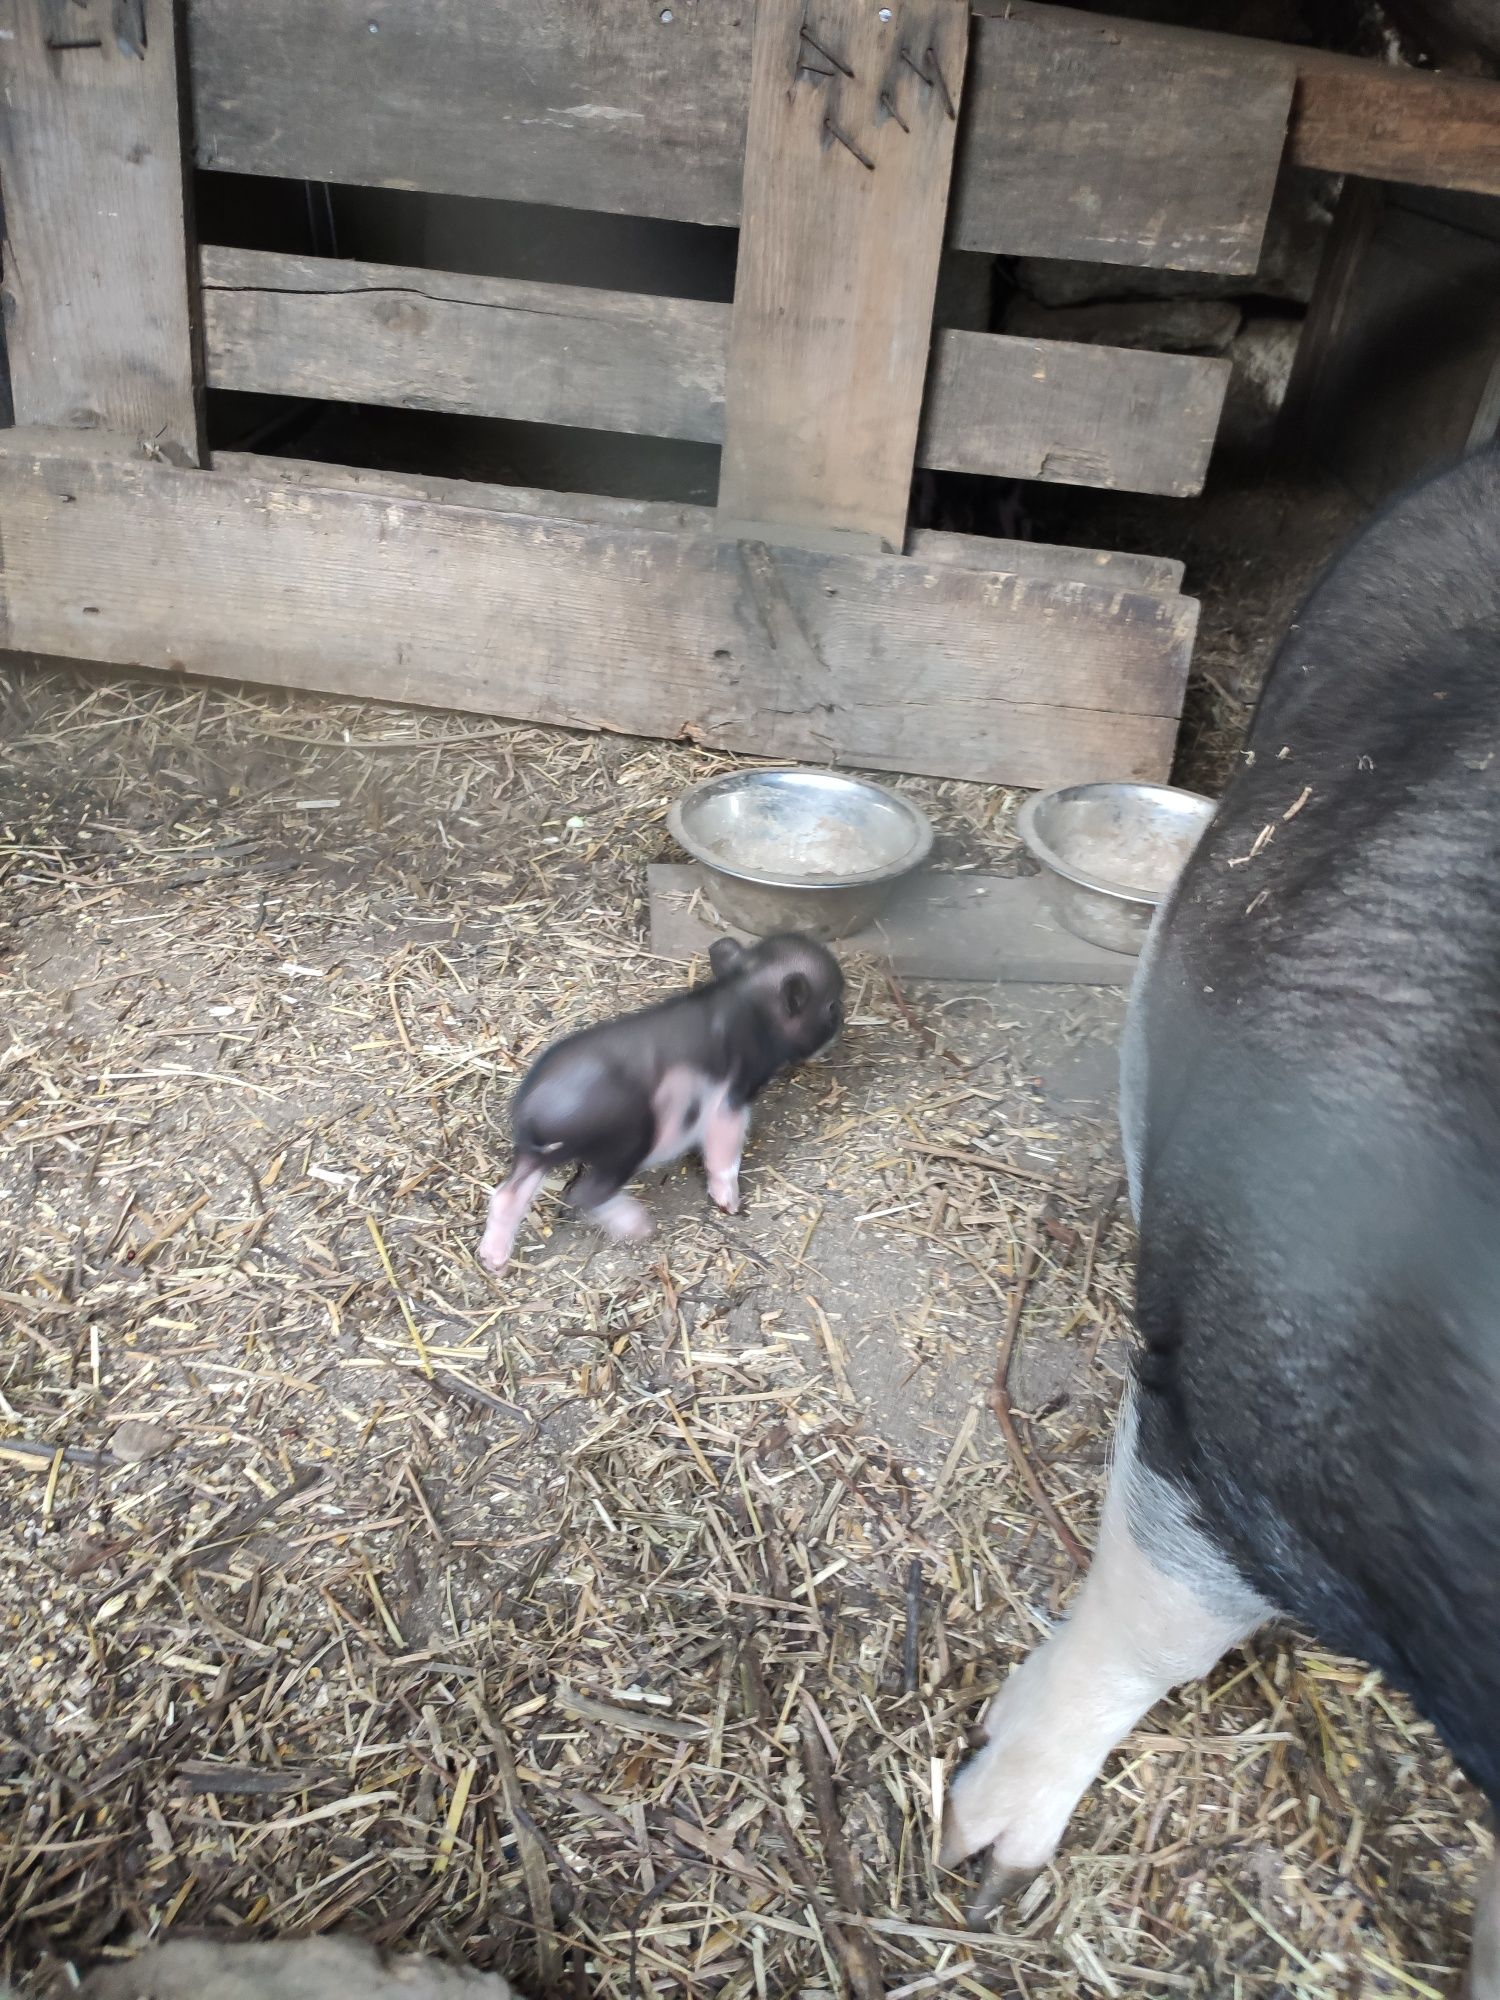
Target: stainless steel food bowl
{"type": "Point", "coordinates": [1110, 854]}
{"type": "Point", "coordinates": [811, 851]}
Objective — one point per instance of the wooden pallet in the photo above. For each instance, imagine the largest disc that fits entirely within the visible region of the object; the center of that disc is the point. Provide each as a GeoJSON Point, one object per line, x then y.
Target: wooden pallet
{"type": "Point", "coordinates": [847, 143]}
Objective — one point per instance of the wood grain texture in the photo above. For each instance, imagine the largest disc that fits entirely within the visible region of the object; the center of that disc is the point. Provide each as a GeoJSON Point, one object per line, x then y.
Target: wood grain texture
{"type": "Point", "coordinates": [600, 510]}
{"type": "Point", "coordinates": [95, 260]}
{"type": "Point", "coordinates": [564, 354]}
{"type": "Point", "coordinates": [1088, 416]}
{"type": "Point", "coordinates": [432, 340]}
{"type": "Point", "coordinates": [1052, 562]}
{"type": "Point", "coordinates": [853, 115]}
{"type": "Point", "coordinates": [1417, 126]}
{"type": "Point", "coordinates": [908, 666]}
{"type": "Point", "coordinates": [599, 105]}
{"type": "Point", "coordinates": [1095, 138]}
{"type": "Point", "coordinates": [575, 103]}
{"type": "Point", "coordinates": [592, 104]}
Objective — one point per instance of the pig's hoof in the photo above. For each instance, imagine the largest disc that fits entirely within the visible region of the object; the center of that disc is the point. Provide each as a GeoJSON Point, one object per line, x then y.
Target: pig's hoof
{"type": "Point", "coordinates": [725, 1195]}
{"type": "Point", "coordinates": [1001, 1885]}
{"type": "Point", "coordinates": [625, 1219]}
{"type": "Point", "coordinates": [1014, 1797]}
{"type": "Point", "coordinates": [1020, 1833]}
{"type": "Point", "coordinates": [493, 1257]}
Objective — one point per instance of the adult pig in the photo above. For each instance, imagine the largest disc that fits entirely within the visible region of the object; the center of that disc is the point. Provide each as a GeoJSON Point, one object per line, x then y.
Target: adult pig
{"type": "Point", "coordinates": [1311, 1117]}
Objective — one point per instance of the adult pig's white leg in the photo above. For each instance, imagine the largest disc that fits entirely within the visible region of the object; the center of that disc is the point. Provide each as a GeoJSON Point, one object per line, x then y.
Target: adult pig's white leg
{"type": "Point", "coordinates": [1158, 1607]}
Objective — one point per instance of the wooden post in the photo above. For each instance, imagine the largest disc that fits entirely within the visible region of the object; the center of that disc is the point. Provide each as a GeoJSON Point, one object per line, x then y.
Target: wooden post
{"type": "Point", "coordinates": [1398, 367]}
{"type": "Point", "coordinates": [96, 287]}
{"type": "Point", "coordinates": [853, 114]}
{"type": "Point", "coordinates": [1361, 204]}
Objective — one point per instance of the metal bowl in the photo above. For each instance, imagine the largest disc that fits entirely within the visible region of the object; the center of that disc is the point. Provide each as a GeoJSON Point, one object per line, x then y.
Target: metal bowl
{"type": "Point", "coordinates": [811, 851]}
{"type": "Point", "coordinates": [1110, 854]}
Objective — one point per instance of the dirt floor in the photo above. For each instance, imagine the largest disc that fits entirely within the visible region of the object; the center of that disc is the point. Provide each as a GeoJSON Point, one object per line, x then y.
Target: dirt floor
{"type": "Point", "coordinates": [613, 1626]}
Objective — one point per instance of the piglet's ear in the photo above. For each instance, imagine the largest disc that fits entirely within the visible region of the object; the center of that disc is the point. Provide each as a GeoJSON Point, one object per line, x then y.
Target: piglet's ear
{"type": "Point", "coordinates": [724, 955]}
{"type": "Point", "coordinates": [796, 991]}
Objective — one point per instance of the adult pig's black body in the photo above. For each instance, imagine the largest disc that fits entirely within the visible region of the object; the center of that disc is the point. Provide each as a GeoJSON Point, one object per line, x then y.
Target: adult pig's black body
{"type": "Point", "coordinates": [1312, 1108]}
{"type": "Point", "coordinates": [1311, 1113]}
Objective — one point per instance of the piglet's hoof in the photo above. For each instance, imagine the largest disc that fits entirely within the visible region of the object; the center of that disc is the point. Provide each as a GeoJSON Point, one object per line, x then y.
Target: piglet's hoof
{"type": "Point", "coordinates": [725, 1195]}
{"type": "Point", "coordinates": [492, 1257]}
{"type": "Point", "coordinates": [625, 1219]}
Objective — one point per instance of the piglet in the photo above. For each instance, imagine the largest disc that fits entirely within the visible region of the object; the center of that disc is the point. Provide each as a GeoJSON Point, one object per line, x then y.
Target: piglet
{"type": "Point", "coordinates": [671, 1079]}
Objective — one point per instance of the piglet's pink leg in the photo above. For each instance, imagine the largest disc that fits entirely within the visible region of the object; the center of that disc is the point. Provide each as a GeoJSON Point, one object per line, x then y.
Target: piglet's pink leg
{"type": "Point", "coordinates": [508, 1206]}
{"type": "Point", "coordinates": [723, 1144]}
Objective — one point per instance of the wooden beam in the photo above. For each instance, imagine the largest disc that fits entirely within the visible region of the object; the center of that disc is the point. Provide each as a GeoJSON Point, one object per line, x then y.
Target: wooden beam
{"type": "Point", "coordinates": [95, 259]}
{"type": "Point", "coordinates": [1118, 141]}
{"type": "Point", "coordinates": [567, 354]}
{"type": "Point", "coordinates": [1418, 126]}
{"type": "Point", "coordinates": [901, 665]}
{"type": "Point", "coordinates": [1349, 115]}
{"type": "Point", "coordinates": [1050, 562]}
{"type": "Point", "coordinates": [847, 159]}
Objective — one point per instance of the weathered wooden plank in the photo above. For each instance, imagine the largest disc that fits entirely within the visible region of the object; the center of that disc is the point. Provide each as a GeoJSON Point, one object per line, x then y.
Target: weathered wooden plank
{"type": "Point", "coordinates": [847, 159]}
{"type": "Point", "coordinates": [597, 105]}
{"type": "Point", "coordinates": [1089, 416]}
{"type": "Point", "coordinates": [1051, 562]}
{"type": "Point", "coordinates": [1094, 138]}
{"type": "Point", "coordinates": [637, 110]}
{"type": "Point", "coordinates": [936, 926]}
{"type": "Point", "coordinates": [432, 340]}
{"type": "Point", "coordinates": [95, 262]}
{"type": "Point", "coordinates": [916, 667]}
{"type": "Point", "coordinates": [600, 510]}
{"type": "Point", "coordinates": [563, 354]}
{"type": "Point", "coordinates": [1418, 126]}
